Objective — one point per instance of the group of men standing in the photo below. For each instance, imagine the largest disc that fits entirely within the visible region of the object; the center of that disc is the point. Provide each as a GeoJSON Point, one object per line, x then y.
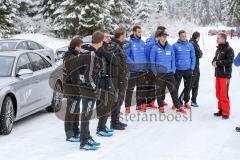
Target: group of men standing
{"type": "Point", "coordinates": [94, 73]}
{"type": "Point", "coordinates": [107, 71]}
{"type": "Point", "coordinates": [155, 66]}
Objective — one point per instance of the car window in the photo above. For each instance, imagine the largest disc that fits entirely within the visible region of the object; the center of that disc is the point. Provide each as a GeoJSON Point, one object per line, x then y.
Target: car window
{"type": "Point", "coordinates": [22, 45]}
{"type": "Point", "coordinates": [33, 45]}
{"type": "Point", "coordinates": [38, 62]}
{"type": "Point", "coordinates": [23, 63]}
{"type": "Point", "coordinates": [7, 45]}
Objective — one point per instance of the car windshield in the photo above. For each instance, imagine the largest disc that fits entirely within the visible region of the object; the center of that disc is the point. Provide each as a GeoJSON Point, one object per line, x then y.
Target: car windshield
{"type": "Point", "coordinates": [6, 65]}
{"type": "Point", "coordinates": [5, 46]}
{"type": "Point", "coordinates": [87, 39]}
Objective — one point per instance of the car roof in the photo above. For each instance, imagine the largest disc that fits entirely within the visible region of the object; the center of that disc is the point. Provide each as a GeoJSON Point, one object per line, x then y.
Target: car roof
{"type": "Point", "coordinates": [14, 53]}
{"type": "Point", "coordinates": [15, 40]}
{"type": "Point", "coordinates": [11, 40]}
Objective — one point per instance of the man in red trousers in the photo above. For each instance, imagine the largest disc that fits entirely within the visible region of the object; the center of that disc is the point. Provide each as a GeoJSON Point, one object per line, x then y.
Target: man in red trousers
{"type": "Point", "coordinates": [222, 62]}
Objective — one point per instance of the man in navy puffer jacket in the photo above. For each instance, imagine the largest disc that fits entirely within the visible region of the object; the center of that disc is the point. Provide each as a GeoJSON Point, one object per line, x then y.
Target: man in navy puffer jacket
{"type": "Point", "coordinates": [185, 64]}
{"type": "Point", "coordinates": [138, 67]}
{"type": "Point", "coordinates": [162, 60]}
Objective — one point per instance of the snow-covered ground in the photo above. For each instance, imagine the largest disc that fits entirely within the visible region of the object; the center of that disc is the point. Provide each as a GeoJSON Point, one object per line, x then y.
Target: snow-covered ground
{"type": "Point", "coordinates": [204, 137]}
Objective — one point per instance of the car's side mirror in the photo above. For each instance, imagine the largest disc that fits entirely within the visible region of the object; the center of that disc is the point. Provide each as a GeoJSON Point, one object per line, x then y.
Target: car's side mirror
{"type": "Point", "coordinates": [24, 72]}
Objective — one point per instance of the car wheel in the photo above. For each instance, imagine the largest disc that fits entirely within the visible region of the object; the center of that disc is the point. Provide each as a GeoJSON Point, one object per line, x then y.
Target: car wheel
{"type": "Point", "coordinates": [57, 99]}
{"type": "Point", "coordinates": [7, 116]}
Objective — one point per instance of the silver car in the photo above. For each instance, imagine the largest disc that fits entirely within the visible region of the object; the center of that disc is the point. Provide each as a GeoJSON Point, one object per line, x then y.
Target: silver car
{"type": "Point", "coordinates": [20, 44]}
{"type": "Point", "coordinates": [24, 86]}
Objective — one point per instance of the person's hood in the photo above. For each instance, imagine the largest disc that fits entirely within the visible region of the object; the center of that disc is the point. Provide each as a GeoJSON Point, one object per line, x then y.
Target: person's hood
{"type": "Point", "coordinates": [132, 37]}
{"type": "Point", "coordinates": [193, 40]}
{"type": "Point", "coordinates": [182, 42]}
{"type": "Point", "coordinates": [73, 51]}
{"type": "Point", "coordinates": [223, 45]}
{"type": "Point", "coordinates": [89, 47]}
{"type": "Point", "coordinates": [160, 45]}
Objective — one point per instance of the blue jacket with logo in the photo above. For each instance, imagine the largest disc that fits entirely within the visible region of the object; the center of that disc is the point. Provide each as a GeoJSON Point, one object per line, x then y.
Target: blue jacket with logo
{"type": "Point", "coordinates": [162, 59]}
{"type": "Point", "coordinates": [185, 55]}
{"type": "Point", "coordinates": [136, 53]}
{"type": "Point", "coordinates": [237, 60]}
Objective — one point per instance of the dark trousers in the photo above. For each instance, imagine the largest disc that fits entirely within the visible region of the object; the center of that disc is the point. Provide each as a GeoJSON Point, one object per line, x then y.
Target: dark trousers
{"type": "Point", "coordinates": [136, 80]}
{"type": "Point", "coordinates": [166, 80]}
{"type": "Point", "coordinates": [187, 77]}
{"type": "Point", "coordinates": [150, 81]}
{"type": "Point", "coordinates": [86, 115]}
{"type": "Point", "coordinates": [106, 103]}
{"type": "Point", "coordinates": [195, 84]}
{"type": "Point", "coordinates": [116, 108]}
{"type": "Point", "coordinates": [71, 123]}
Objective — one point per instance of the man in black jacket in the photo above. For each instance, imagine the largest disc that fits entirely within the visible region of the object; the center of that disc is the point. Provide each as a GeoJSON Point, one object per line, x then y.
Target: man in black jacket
{"type": "Point", "coordinates": [105, 84]}
{"type": "Point", "coordinates": [91, 76]}
{"type": "Point", "coordinates": [119, 77]}
{"type": "Point", "coordinates": [222, 62]}
{"type": "Point", "coordinates": [196, 72]}
{"type": "Point", "coordinates": [82, 73]}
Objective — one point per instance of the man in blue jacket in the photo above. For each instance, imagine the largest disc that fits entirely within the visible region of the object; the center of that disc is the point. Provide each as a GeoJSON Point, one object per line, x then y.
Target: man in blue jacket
{"type": "Point", "coordinates": [150, 42]}
{"type": "Point", "coordinates": [137, 62]}
{"type": "Point", "coordinates": [185, 64]}
{"type": "Point", "coordinates": [237, 60]}
{"type": "Point", "coordinates": [162, 60]}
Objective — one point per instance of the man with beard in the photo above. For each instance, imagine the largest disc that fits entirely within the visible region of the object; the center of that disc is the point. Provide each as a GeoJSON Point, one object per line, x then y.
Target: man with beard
{"type": "Point", "coordinates": [138, 68]}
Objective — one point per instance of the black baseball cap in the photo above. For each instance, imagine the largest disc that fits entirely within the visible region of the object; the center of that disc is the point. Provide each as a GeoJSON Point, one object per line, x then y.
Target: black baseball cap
{"type": "Point", "coordinates": [163, 33]}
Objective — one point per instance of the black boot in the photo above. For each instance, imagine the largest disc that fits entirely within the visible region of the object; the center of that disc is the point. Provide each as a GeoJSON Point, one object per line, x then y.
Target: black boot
{"type": "Point", "coordinates": [225, 117]}
{"type": "Point", "coordinates": [117, 126]}
{"type": "Point", "coordinates": [238, 129]}
{"type": "Point", "coordinates": [219, 114]}
{"type": "Point", "coordinates": [123, 124]}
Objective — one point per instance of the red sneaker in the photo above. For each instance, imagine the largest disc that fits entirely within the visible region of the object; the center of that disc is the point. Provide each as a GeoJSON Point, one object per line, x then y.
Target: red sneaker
{"type": "Point", "coordinates": [152, 105]}
{"type": "Point", "coordinates": [187, 106]}
{"type": "Point", "coordinates": [174, 108]}
{"type": "Point", "coordinates": [181, 110]}
{"type": "Point", "coordinates": [161, 110]}
{"type": "Point", "coordinates": [143, 108]}
{"type": "Point", "coordinates": [165, 103]}
{"type": "Point", "coordinates": [128, 110]}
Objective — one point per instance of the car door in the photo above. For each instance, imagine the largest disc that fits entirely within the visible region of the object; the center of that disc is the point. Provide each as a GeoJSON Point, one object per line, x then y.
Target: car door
{"type": "Point", "coordinates": [42, 70]}
{"type": "Point", "coordinates": [26, 86]}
